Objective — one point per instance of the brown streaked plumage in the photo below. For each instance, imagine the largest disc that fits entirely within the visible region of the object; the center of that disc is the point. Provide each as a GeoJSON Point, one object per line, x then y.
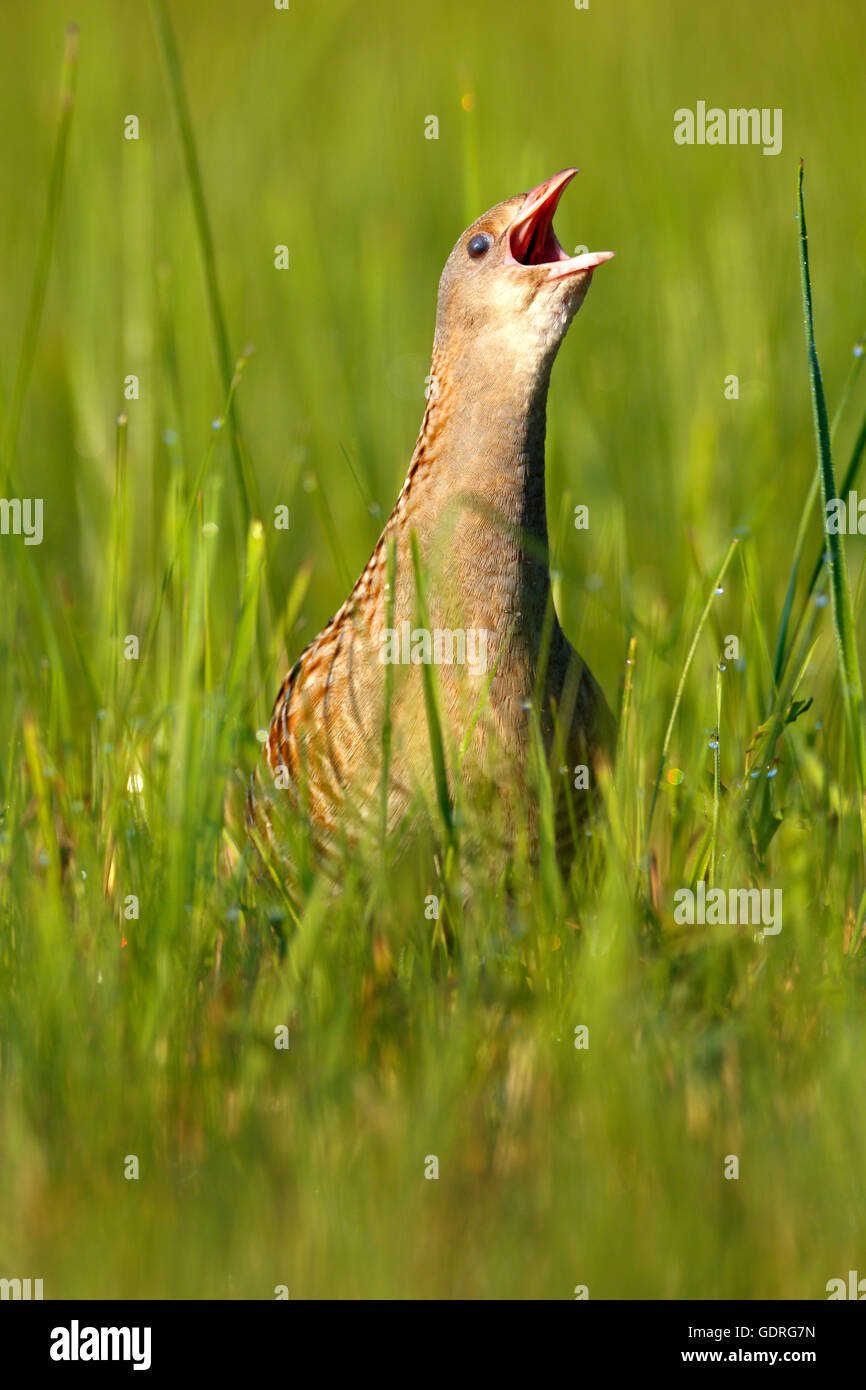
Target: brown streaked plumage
{"type": "Point", "coordinates": [474, 496]}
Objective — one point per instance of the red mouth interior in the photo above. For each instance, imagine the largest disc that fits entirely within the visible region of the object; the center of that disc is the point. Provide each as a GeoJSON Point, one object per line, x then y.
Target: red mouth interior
{"type": "Point", "coordinates": [533, 240]}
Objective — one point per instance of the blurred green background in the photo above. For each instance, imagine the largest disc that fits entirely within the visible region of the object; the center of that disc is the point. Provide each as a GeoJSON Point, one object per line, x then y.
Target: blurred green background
{"type": "Point", "coordinates": [310, 125]}
{"type": "Point", "coordinates": [310, 128]}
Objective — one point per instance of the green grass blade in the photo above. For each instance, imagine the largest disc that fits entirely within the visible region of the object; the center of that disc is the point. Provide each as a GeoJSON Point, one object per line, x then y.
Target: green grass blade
{"type": "Point", "coordinates": [434, 723]}
{"type": "Point", "coordinates": [717, 776]}
{"type": "Point", "coordinates": [44, 254]}
{"type": "Point", "coordinates": [847, 483]}
{"type": "Point", "coordinates": [840, 592]}
{"type": "Point", "coordinates": [682, 682]}
{"type": "Point", "coordinates": [389, 693]}
{"type": "Point", "coordinates": [118, 542]}
{"type": "Point", "coordinates": [783, 651]}
{"type": "Point", "coordinates": [225, 358]}
{"type": "Point", "coordinates": [245, 632]}
{"type": "Point", "coordinates": [29, 569]}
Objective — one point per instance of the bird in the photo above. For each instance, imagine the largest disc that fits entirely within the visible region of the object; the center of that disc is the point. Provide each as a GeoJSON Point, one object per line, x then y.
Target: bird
{"type": "Point", "coordinates": [465, 547]}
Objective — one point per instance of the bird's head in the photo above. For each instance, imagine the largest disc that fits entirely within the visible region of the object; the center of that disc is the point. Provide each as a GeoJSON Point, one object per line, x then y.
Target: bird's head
{"type": "Point", "coordinates": [509, 291]}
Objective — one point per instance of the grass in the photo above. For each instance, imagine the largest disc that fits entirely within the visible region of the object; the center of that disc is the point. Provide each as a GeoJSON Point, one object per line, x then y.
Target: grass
{"type": "Point", "coordinates": [840, 590]}
{"type": "Point", "coordinates": [143, 975]}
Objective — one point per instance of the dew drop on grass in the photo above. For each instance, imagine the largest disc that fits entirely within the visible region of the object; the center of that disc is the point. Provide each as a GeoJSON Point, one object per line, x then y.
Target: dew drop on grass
{"type": "Point", "coordinates": [217, 422]}
{"type": "Point", "coordinates": [821, 600]}
{"type": "Point", "coordinates": [771, 771]}
{"type": "Point", "coordinates": [262, 735]}
{"type": "Point", "coordinates": [720, 589]}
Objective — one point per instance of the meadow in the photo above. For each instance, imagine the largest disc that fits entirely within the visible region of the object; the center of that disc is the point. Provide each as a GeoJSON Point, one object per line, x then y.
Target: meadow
{"type": "Point", "coordinates": [165, 388]}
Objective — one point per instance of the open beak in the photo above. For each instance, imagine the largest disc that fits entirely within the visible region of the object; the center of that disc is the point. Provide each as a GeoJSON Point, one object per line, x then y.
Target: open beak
{"type": "Point", "coordinates": [532, 240]}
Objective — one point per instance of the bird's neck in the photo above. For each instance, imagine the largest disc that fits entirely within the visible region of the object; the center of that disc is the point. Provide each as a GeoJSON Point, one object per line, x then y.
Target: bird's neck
{"type": "Point", "coordinates": [475, 496]}
{"type": "Point", "coordinates": [486, 432]}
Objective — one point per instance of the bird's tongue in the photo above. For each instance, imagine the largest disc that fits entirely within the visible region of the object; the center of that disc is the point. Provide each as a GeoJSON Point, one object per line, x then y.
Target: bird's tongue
{"type": "Point", "coordinates": [532, 240]}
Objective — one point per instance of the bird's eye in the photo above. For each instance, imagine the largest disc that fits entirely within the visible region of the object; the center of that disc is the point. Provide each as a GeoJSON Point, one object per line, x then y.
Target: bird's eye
{"type": "Point", "coordinates": [479, 244]}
